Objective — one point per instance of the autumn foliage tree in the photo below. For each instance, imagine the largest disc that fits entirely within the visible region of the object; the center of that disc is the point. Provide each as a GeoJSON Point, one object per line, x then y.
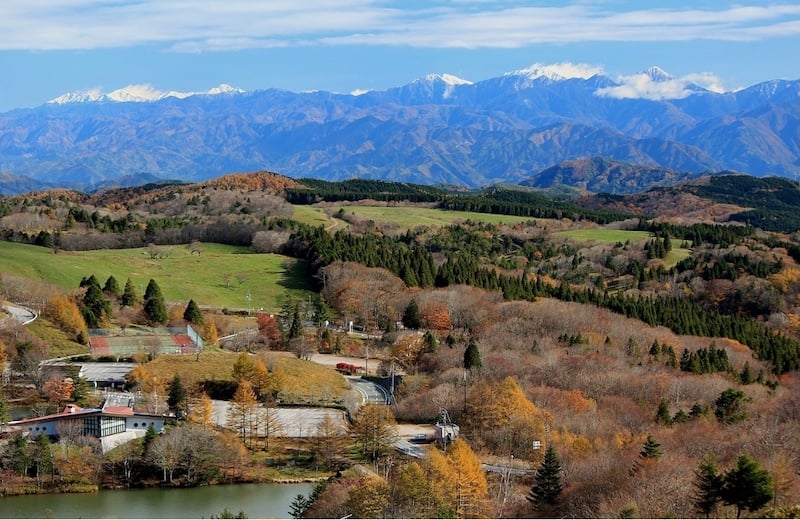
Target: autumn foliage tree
{"type": "Point", "coordinates": [374, 429]}
{"type": "Point", "coordinates": [459, 480]}
{"type": "Point", "coordinates": [502, 418]}
{"type": "Point", "coordinates": [270, 328]}
{"type": "Point", "coordinates": [64, 311]}
{"type": "Point", "coordinates": [435, 315]}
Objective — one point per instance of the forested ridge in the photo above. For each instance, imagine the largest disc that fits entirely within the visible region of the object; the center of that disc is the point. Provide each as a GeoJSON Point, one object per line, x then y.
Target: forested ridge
{"type": "Point", "coordinates": [641, 352]}
{"type": "Point", "coordinates": [416, 267]}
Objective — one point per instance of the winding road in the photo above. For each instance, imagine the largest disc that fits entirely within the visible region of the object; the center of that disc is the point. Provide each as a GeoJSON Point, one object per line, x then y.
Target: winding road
{"type": "Point", "coordinates": [20, 315]}
{"type": "Point", "coordinates": [369, 391]}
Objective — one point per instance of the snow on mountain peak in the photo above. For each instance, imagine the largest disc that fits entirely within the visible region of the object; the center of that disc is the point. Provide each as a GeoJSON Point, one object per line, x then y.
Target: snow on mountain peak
{"type": "Point", "coordinates": [449, 79]}
{"type": "Point", "coordinates": [137, 94]}
{"type": "Point", "coordinates": [657, 74]}
{"type": "Point", "coordinates": [558, 71]}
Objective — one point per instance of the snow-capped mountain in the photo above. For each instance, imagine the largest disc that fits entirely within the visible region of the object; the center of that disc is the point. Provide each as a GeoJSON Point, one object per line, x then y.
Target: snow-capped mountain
{"type": "Point", "coordinates": [136, 94]}
{"type": "Point", "coordinates": [436, 129]}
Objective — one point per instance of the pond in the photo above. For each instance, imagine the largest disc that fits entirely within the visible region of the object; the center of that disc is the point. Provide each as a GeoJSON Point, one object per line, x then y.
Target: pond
{"type": "Point", "coordinates": [256, 500]}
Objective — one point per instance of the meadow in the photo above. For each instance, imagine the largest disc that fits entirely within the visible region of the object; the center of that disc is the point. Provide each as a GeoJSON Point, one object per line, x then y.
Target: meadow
{"type": "Point", "coordinates": [614, 236]}
{"type": "Point", "coordinates": [220, 276]}
{"type": "Point", "coordinates": [409, 217]}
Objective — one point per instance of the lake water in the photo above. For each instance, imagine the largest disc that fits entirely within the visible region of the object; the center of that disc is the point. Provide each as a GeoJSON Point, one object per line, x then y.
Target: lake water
{"type": "Point", "coordinates": [256, 500]}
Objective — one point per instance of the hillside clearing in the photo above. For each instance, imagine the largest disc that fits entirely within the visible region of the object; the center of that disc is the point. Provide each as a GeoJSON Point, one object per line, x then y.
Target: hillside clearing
{"type": "Point", "coordinates": [220, 276]}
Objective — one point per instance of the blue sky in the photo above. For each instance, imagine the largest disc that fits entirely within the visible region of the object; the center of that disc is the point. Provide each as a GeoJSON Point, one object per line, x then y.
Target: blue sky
{"type": "Point", "coordinates": [50, 47]}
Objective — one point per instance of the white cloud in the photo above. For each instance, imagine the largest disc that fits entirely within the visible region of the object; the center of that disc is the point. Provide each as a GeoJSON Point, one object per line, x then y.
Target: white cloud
{"type": "Point", "coordinates": [643, 86]}
{"type": "Point", "coordinates": [213, 25]}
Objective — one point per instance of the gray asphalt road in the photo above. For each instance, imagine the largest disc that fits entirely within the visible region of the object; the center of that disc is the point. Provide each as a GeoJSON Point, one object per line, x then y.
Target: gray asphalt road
{"type": "Point", "coordinates": [19, 314]}
{"type": "Point", "coordinates": [369, 391]}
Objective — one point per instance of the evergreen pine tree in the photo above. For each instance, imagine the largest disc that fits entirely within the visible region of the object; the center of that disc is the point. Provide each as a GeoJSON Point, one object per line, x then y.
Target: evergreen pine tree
{"type": "Point", "coordinates": [176, 399]}
{"type": "Point", "coordinates": [548, 484]}
{"type": "Point", "coordinates": [299, 506]}
{"type": "Point", "coordinates": [729, 406]}
{"type": "Point", "coordinates": [411, 318]}
{"type": "Point", "coordinates": [707, 487]}
{"type": "Point", "coordinates": [94, 306]}
{"type": "Point", "coordinates": [149, 436]}
{"type": "Point", "coordinates": [154, 307]}
{"type": "Point", "coordinates": [431, 344]}
{"type": "Point", "coordinates": [128, 298]}
{"type": "Point", "coordinates": [747, 486]}
{"type": "Point", "coordinates": [662, 414]}
{"type": "Point", "coordinates": [296, 328]}
{"type": "Point", "coordinates": [192, 313]}
{"type": "Point", "coordinates": [651, 449]}
{"type": "Point", "coordinates": [111, 287]}
{"type": "Point", "coordinates": [746, 376]}
{"type": "Point", "coordinates": [472, 356]}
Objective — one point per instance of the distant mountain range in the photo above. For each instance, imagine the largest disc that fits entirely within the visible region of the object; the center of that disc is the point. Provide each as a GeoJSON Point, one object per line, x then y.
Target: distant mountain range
{"type": "Point", "coordinates": [439, 129]}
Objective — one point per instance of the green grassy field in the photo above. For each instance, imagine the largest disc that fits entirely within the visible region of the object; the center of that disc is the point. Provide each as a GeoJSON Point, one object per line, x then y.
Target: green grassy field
{"type": "Point", "coordinates": [311, 215]}
{"type": "Point", "coordinates": [221, 276]}
{"type": "Point", "coordinates": [612, 236]}
{"type": "Point", "coordinates": [604, 236]}
{"type": "Point", "coordinates": [407, 217]}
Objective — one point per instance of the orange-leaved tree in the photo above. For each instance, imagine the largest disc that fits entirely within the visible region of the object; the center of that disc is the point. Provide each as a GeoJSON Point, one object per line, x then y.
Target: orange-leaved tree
{"type": "Point", "coordinates": [459, 481]}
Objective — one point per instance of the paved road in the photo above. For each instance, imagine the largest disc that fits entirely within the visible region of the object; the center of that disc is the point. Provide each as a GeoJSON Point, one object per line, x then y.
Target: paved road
{"type": "Point", "coordinates": [369, 391]}
{"type": "Point", "coordinates": [19, 314]}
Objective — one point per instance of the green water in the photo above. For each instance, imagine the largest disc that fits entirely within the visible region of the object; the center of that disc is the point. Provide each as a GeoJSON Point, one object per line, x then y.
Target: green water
{"type": "Point", "coordinates": [256, 500]}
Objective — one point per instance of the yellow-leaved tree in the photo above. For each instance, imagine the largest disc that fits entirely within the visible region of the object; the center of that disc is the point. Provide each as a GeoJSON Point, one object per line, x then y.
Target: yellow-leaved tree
{"type": "Point", "coordinates": [501, 417]}
{"type": "Point", "coordinates": [459, 482]}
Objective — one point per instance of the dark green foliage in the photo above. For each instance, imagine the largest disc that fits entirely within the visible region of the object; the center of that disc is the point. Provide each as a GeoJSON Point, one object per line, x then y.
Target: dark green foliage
{"type": "Point", "coordinates": [192, 313]}
{"type": "Point", "coordinates": [296, 327]}
{"type": "Point", "coordinates": [662, 414]}
{"type": "Point", "coordinates": [94, 306]}
{"type": "Point", "coordinates": [358, 189]}
{"type": "Point", "coordinates": [80, 391]}
{"type": "Point", "coordinates": [747, 486]}
{"type": "Point", "coordinates": [149, 436]}
{"type": "Point", "coordinates": [746, 376]}
{"type": "Point", "coordinates": [154, 307]}
{"type": "Point", "coordinates": [472, 356]}
{"type": "Point", "coordinates": [411, 318]}
{"type": "Point", "coordinates": [651, 449]}
{"type": "Point", "coordinates": [431, 344]}
{"type": "Point", "coordinates": [548, 485]}
{"type": "Point", "coordinates": [227, 514]}
{"type": "Point", "coordinates": [111, 287]}
{"type": "Point", "coordinates": [299, 506]}
{"type": "Point", "coordinates": [705, 360]}
{"type": "Point", "coordinates": [729, 407]}
{"type": "Point", "coordinates": [680, 417]}
{"type": "Point", "coordinates": [41, 457]}
{"type": "Point", "coordinates": [20, 455]}
{"type": "Point", "coordinates": [774, 200]}
{"type": "Point", "coordinates": [128, 298]}
{"type": "Point", "coordinates": [176, 399]}
{"type": "Point", "coordinates": [707, 487]}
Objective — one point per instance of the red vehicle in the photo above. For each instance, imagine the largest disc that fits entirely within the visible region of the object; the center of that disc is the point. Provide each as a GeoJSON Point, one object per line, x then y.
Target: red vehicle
{"type": "Point", "coordinates": [349, 369]}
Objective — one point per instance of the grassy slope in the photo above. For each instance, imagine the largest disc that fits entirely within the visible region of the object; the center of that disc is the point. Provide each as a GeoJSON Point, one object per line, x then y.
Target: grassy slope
{"type": "Point", "coordinates": [612, 236]}
{"type": "Point", "coordinates": [411, 216]}
{"type": "Point", "coordinates": [304, 382]}
{"type": "Point", "coordinates": [212, 278]}
{"type": "Point", "coordinates": [605, 236]}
